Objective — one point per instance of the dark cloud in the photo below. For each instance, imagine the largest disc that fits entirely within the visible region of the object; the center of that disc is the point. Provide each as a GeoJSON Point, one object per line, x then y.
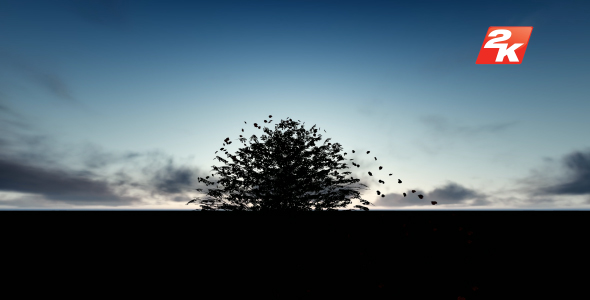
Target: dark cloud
{"type": "Point", "coordinates": [450, 193]}
{"type": "Point", "coordinates": [55, 184]}
{"type": "Point", "coordinates": [550, 184]}
{"type": "Point", "coordinates": [34, 164]}
{"type": "Point", "coordinates": [171, 179]}
{"type": "Point", "coordinates": [577, 179]}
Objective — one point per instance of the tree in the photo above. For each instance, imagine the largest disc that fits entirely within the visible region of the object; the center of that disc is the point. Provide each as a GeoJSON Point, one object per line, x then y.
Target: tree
{"type": "Point", "coordinates": [284, 172]}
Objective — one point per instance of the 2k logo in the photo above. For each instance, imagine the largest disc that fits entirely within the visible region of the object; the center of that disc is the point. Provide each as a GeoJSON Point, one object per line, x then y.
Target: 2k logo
{"type": "Point", "coordinates": [511, 52]}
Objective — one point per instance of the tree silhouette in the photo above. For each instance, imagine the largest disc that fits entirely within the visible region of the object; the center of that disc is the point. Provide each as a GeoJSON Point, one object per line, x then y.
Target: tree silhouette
{"type": "Point", "coordinates": [286, 171]}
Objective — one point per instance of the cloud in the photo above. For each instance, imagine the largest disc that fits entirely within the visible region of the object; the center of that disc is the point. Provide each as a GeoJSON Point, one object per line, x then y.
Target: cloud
{"type": "Point", "coordinates": [10, 118]}
{"type": "Point", "coordinates": [449, 194]}
{"type": "Point", "coordinates": [452, 192]}
{"type": "Point", "coordinates": [557, 183]}
{"type": "Point", "coordinates": [577, 178]}
{"type": "Point", "coordinates": [443, 132]}
{"type": "Point", "coordinates": [171, 179]}
{"type": "Point", "coordinates": [55, 184]}
{"type": "Point", "coordinates": [42, 172]}
{"type": "Point", "coordinates": [51, 82]}
{"type": "Point", "coordinates": [439, 125]}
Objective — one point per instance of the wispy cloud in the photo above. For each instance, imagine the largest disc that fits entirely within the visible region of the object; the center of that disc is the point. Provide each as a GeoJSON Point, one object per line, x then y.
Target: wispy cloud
{"type": "Point", "coordinates": [10, 118]}
{"type": "Point", "coordinates": [51, 82]}
{"type": "Point", "coordinates": [440, 125]}
{"type": "Point", "coordinates": [444, 133]}
{"type": "Point", "coordinates": [48, 80]}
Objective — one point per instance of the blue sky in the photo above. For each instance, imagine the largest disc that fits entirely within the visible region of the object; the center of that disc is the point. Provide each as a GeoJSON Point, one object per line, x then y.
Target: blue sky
{"type": "Point", "coordinates": [122, 104]}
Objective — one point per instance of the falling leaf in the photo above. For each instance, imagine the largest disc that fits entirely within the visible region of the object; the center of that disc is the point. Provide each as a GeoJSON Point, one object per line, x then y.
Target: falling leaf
{"type": "Point", "coordinates": [378, 193]}
{"type": "Point", "coordinates": [398, 181]}
{"type": "Point", "coordinates": [368, 152]}
{"type": "Point", "coordinates": [270, 116]}
{"type": "Point", "coordinates": [383, 195]}
{"type": "Point", "coordinates": [390, 174]}
{"type": "Point", "coordinates": [433, 202]}
{"type": "Point", "coordinates": [352, 151]}
{"type": "Point", "coordinates": [380, 168]}
{"type": "Point", "coordinates": [420, 196]}
{"type": "Point", "coordinates": [413, 191]}
{"type": "Point", "coordinates": [404, 194]}
{"type": "Point", "coordinates": [370, 174]}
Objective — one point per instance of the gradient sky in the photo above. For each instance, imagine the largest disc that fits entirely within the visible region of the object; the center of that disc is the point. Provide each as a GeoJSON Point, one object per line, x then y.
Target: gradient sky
{"type": "Point", "coordinates": [122, 104]}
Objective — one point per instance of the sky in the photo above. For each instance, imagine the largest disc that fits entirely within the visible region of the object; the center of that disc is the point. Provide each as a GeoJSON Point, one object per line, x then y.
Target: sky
{"type": "Point", "coordinates": [121, 104]}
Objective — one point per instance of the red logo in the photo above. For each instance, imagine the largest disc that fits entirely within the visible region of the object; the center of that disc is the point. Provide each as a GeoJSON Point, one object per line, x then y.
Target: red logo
{"type": "Point", "coordinates": [515, 39]}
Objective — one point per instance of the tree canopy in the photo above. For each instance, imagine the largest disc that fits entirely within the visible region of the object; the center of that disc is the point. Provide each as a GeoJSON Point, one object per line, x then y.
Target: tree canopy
{"type": "Point", "coordinates": [284, 170]}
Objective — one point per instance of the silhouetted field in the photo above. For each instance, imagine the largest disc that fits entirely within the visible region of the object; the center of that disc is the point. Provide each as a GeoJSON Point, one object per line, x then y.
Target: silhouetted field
{"type": "Point", "coordinates": [396, 255]}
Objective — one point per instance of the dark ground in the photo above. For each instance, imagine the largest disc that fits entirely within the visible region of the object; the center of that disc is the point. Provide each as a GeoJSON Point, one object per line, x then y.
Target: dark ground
{"type": "Point", "coordinates": [393, 255]}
